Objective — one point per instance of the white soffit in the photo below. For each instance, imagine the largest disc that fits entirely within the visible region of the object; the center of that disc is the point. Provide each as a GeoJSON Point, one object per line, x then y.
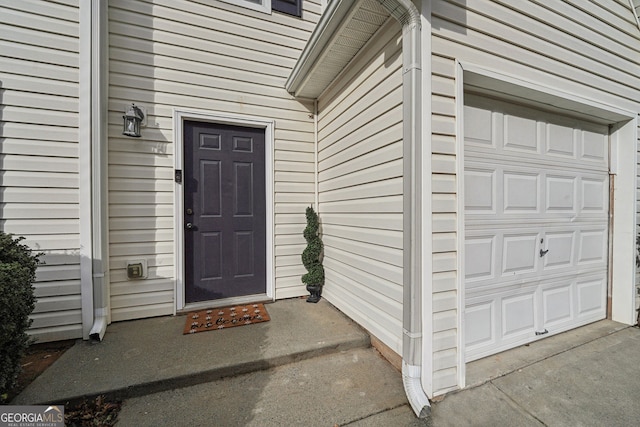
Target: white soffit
{"type": "Point", "coordinates": [345, 27]}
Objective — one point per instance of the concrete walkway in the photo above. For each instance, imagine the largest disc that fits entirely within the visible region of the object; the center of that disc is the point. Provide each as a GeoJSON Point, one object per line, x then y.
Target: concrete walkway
{"type": "Point", "coordinates": [311, 366]}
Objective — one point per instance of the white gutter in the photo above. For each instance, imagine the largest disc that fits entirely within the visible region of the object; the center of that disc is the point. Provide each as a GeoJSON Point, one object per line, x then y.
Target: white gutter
{"type": "Point", "coordinates": [93, 169]}
{"type": "Point", "coordinates": [408, 15]}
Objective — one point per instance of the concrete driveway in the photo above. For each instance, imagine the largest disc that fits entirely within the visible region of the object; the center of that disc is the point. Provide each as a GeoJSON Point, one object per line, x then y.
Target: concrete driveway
{"type": "Point", "coordinates": [586, 377]}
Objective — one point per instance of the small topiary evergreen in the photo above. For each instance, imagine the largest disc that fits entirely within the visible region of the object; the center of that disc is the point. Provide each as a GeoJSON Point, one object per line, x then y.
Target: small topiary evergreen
{"type": "Point", "coordinates": [17, 301]}
{"type": "Point", "coordinates": [311, 254]}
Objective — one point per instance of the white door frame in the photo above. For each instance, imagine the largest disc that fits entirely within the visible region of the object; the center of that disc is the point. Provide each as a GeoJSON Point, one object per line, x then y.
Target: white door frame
{"type": "Point", "coordinates": [623, 154]}
{"type": "Point", "coordinates": [179, 116]}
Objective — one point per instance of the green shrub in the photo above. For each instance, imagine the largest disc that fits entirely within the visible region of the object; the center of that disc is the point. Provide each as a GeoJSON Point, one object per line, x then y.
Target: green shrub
{"type": "Point", "coordinates": [17, 301]}
{"type": "Point", "coordinates": [311, 254]}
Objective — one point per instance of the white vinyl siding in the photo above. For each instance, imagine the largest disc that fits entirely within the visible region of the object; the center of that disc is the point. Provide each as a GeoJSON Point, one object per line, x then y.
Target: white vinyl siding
{"type": "Point", "coordinates": [360, 187]}
{"type": "Point", "coordinates": [590, 49]}
{"type": "Point", "coordinates": [39, 153]}
{"type": "Point", "coordinates": [203, 55]}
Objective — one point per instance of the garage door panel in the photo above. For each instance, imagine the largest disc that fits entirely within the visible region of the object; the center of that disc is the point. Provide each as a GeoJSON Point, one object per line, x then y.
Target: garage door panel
{"type": "Point", "coordinates": [595, 194]}
{"type": "Point", "coordinates": [560, 193]}
{"type": "Point", "coordinates": [592, 247]}
{"type": "Point", "coordinates": [536, 217]}
{"type": "Point", "coordinates": [561, 141]}
{"type": "Point", "coordinates": [560, 247]}
{"type": "Point", "coordinates": [594, 147]}
{"type": "Point", "coordinates": [480, 258]}
{"type": "Point", "coordinates": [480, 325]}
{"type": "Point", "coordinates": [514, 252]}
{"type": "Point", "coordinates": [590, 301]}
{"type": "Point", "coordinates": [480, 185]}
{"type": "Point", "coordinates": [478, 126]}
{"type": "Point", "coordinates": [557, 305]}
{"type": "Point", "coordinates": [521, 192]}
{"type": "Point", "coordinates": [518, 315]}
{"type": "Point", "coordinates": [519, 254]}
{"type": "Point", "coordinates": [529, 191]}
{"type": "Point", "coordinates": [521, 134]}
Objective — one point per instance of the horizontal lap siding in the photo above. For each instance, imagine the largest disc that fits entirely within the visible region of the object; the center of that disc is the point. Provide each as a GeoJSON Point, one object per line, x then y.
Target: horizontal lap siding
{"type": "Point", "coordinates": [360, 188]}
{"type": "Point", "coordinates": [39, 153]}
{"type": "Point", "coordinates": [588, 48]}
{"type": "Point", "coordinates": [208, 56]}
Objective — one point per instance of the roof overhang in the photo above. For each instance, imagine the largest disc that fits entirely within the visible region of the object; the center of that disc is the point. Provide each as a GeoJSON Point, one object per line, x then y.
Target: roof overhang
{"type": "Point", "coordinates": [344, 28]}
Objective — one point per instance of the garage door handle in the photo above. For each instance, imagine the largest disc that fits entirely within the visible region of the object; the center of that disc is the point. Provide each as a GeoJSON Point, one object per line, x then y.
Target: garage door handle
{"type": "Point", "coordinates": [543, 253]}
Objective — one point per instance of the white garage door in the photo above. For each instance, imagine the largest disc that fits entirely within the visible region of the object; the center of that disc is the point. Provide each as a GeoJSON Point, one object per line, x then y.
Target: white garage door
{"type": "Point", "coordinates": [536, 197]}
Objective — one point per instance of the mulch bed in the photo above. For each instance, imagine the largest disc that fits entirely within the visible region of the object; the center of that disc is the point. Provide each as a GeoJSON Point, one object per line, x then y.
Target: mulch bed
{"type": "Point", "coordinates": [98, 412]}
{"type": "Point", "coordinates": [36, 360]}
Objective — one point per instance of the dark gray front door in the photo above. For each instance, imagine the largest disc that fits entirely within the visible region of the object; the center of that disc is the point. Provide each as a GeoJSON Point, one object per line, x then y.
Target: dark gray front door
{"type": "Point", "coordinates": [224, 211]}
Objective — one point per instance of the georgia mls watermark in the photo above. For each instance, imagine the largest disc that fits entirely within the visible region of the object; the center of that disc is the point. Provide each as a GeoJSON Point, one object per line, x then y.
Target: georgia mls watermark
{"type": "Point", "coordinates": [32, 416]}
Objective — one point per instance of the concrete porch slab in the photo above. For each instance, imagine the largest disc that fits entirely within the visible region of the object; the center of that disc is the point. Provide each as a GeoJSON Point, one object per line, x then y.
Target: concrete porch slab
{"type": "Point", "coordinates": [151, 355]}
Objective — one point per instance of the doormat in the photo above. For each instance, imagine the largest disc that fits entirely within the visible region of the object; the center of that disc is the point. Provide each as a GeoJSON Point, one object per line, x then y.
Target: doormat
{"type": "Point", "coordinates": [226, 317]}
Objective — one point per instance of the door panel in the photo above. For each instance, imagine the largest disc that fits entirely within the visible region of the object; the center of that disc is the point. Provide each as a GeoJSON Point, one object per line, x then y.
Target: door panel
{"type": "Point", "coordinates": [225, 211]}
{"type": "Point", "coordinates": [536, 217]}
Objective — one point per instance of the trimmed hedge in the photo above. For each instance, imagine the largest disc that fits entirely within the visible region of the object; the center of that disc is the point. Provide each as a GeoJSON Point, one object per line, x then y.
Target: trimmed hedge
{"type": "Point", "coordinates": [17, 301]}
{"type": "Point", "coordinates": [311, 256]}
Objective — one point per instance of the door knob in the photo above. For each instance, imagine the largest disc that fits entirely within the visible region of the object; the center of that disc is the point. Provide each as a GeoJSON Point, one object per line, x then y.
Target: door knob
{"type": "Point", "coordinates": [189, 226]}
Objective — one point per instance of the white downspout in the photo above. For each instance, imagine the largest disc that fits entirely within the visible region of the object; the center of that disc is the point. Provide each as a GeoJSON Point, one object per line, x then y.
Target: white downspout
{"type": "Point", "coordinates": [84, 168]}
{"type": "Point", "coordinates": [93, 170]}
{"type": "Point", "coordinates": [99, 151]}
{"type": "Point", "coordinates": [408, 15]}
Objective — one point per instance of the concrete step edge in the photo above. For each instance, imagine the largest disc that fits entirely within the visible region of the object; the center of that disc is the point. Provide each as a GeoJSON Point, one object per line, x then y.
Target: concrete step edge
{"type": "Point", "coordinates": [214, 374]}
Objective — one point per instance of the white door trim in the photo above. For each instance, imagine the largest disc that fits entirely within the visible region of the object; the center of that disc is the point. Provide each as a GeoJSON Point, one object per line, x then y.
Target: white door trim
{"type": "Point", "coordinates": [179, 116]}
{"type": "Point", "coordinates": [624, 140]}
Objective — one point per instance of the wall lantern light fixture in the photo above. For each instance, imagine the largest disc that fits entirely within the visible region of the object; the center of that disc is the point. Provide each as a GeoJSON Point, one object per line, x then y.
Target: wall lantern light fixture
{"type": "Point", "coordinates": [133, 117]}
